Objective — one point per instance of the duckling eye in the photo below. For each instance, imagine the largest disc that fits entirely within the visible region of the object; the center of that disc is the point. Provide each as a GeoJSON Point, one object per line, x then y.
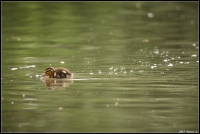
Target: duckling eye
{"type": "Point", "coordinates": [48, 70]}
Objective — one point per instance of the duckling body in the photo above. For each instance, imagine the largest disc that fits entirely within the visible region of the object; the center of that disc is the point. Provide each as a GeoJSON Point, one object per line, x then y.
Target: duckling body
{"type": "Point", "coordinates": [58, 73]}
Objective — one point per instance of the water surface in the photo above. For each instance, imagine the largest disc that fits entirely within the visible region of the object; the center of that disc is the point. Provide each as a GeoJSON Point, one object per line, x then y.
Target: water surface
{"type": "Point", "coordinates": [135, 66]}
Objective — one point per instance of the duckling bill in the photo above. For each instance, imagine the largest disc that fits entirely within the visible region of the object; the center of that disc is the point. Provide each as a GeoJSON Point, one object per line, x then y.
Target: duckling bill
{"type": "Point", "coordinates": [58, 73]}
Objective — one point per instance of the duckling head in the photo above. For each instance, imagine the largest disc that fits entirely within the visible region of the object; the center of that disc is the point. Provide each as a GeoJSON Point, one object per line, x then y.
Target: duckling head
{"type": "Point", "coordinates": [49, 71]}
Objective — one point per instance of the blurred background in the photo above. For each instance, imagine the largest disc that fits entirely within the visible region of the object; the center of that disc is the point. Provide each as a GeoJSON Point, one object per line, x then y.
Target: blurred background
{"type": "Point", "coordinates": [135, 66]}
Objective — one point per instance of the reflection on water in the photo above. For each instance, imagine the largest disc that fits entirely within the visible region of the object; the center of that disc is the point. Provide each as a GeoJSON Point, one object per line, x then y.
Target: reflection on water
{"type": "Point", "coordinates": [59, 84]}
{"type": "Point", "coordinates": [135, 67]}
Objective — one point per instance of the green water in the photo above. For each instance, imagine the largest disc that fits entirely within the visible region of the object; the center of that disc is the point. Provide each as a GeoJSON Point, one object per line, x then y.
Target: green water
{"type": "Point", "coordinates": [135, 66]}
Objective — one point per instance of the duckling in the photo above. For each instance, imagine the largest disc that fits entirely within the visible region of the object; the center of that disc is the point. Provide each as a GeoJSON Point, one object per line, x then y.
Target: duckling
{"type": "Point", "coordinates": [58, 73]}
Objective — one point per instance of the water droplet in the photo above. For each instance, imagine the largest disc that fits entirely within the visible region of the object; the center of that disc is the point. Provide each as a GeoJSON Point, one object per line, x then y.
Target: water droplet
{"type": "Point", "coordinates": [14, 68]}
{"type": "Point", "coordinates": [37, 75]}
{"type": "Point", "coordinates": [145, 40]}
{"type": "Point", "coordinates": [156, 51]}
{"type": "Point", "coordinates": [165, 60]}
{"type": "Point", "coordinates": [150, 15]}
{"type": "Point", "coordinates": [162, 72]}
{"type": "Point", "coordinates": [91, 72]}
{"type": "Point", "coordinates": [141, 71]}
{"type": "Point", "coordinates": [192, 22]}
{"type": "Point", "coordinates": [170, 64]}
{"type": "Point", "coordinates": [187, 62]}
{"type": "Point", "coordinates": [194, 55]}
{"type": "Point", "coordinates": [60, 108]}
{"type": "Point", "coordinates": [62, 62]}
{"type": "Point", "coordinates": [99, 71]}
{"type": "Point", "coordinates": [116, 103]}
